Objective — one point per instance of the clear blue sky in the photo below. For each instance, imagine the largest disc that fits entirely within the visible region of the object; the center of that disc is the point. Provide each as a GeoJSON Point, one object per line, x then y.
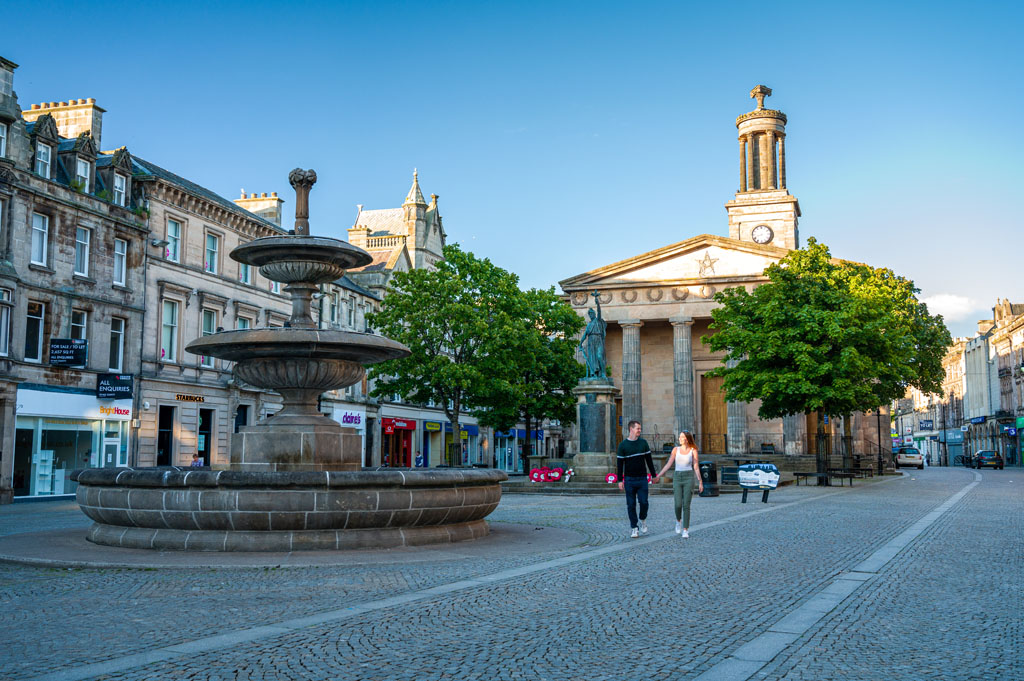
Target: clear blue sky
{"type": "Point", "coordinates": [563, 136]}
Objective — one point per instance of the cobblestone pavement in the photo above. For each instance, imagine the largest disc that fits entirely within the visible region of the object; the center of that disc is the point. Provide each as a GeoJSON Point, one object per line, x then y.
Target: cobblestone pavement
{"type": "Point", "coordinates": [947, 605]}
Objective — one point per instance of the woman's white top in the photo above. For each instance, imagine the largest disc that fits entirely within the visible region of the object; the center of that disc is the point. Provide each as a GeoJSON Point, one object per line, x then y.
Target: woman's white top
{"type": "Point", "coordinates": [684, 462]}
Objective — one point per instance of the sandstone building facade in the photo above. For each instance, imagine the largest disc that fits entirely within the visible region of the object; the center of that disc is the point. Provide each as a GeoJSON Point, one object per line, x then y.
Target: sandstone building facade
{"type": "Point", "coordinates": [658, 307]}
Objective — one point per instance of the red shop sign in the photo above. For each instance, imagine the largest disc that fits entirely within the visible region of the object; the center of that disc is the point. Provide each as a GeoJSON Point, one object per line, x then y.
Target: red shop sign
{"type": "Point", "coordinates": [390, 425]}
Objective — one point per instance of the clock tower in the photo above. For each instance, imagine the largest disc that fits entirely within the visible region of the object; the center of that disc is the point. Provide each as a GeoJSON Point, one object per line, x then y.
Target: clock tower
{"type": "Point", "coordinates": [763, 211]}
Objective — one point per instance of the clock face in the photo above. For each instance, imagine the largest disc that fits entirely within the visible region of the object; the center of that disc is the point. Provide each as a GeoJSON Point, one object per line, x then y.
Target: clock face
{"type": "Point", "coordinates": [762, 234]}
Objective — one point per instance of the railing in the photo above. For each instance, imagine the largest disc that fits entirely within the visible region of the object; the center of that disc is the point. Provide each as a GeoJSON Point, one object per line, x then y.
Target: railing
{"type": "Point", "coordinates": [384, 241]}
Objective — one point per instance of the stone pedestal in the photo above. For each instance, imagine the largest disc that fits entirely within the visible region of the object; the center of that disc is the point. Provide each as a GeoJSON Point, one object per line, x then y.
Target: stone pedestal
{"type": "Point", "coordinates": [596, 419]}
{"type": "Point", "coordinates": [287, 448]}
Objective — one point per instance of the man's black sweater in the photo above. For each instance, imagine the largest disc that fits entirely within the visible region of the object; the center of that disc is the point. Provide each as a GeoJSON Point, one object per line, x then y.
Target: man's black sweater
{"type": "Point", "coordinates": [631, 457]}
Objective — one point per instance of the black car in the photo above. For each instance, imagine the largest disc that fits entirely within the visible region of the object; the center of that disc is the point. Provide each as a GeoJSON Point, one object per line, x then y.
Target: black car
{"type": "Point", "coordinates": [988, 457]}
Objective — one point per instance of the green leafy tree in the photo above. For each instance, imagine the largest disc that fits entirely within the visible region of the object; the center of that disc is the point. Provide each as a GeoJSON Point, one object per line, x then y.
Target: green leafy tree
{"type": "Point", "coordinates": [456, 320]}
{"type": "Point", "coordinates": [826, 337]}
{"type": "Point", "coordinates": [539, 380]}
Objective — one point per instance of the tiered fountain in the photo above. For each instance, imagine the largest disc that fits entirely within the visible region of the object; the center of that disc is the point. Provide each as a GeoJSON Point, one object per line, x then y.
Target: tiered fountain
{"type": "Point", "coordinates": [295, 481]}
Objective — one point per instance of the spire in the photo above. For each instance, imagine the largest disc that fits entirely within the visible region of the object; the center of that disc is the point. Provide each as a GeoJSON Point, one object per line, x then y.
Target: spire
{"type": "Point", "coordinates": [415, 196]}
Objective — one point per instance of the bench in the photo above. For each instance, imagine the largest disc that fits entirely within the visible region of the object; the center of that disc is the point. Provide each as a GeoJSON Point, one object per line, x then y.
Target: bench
{"type": "Point", "coordinates": [823, 476]}
{"type": "Point", "coordinates": [767, 449]}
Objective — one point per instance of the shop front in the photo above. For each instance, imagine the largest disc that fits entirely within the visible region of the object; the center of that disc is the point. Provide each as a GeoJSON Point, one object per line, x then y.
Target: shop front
{"type": "Point", "coordinates": [433, 444]}
{"type": "Point", "coordinates": [396, 442]}
{"type": "Point", "coordinates": [354, 418]}
{"type": "Point", "coordinates": [508, 448]}
{"type": "Point", "coordinates": [467, 451]}
{"type": "Point", "coordinates": [954, 444]}
{"type": "Point", "coordinates": [59, 430]}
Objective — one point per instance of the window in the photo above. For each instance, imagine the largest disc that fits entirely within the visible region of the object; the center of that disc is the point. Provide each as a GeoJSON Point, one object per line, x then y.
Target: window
{"type": "Point", "coordinates": [79, 322]}
{"type": "Point", "coordinates": [43, 153]}
{"type": "Point", "coordinates": [351, 314]}
{"type": "Point", "coordinates": [244, 273]}
{"type": "Point", "coordinates": [169, 332]}
{"type": "Point", "coordinates": [82, 239]}
{"type": "Point", "coordinates": [119, 189]}
{"type": "Point", "coordinates": [82, 174]}
{"type": "Point", "coordinates": [173, 240]}
{"type": "Point", "coordinates": [34, 332]}
{"type": "Point", "coordinates": [212, 246]}
{"type": "Point", "coordinates": [243, 323]}
{"type": "Point", "coordinates": [275, 287]}
{"type": "Point", "coordinates": [209, 328]}
{"type": "Point", "coordinates": [40, 232]}
{"type": "Point", "coordinates": [3, 140]}
{"type": "Point", "coordinates": [116, 344]}
{"type": "Point", "coordinates": [120, 261]}
{"type": "Point", "coordinates": [5, 321]}
{"type": "Point", "coordinates": [334, 310]}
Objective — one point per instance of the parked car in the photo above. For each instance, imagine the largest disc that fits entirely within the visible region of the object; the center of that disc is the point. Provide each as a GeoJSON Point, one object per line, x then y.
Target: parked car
{"type": "Point", "coordinates": [909, 456]}
{"type": "Point", "coordinates": [988, 457]}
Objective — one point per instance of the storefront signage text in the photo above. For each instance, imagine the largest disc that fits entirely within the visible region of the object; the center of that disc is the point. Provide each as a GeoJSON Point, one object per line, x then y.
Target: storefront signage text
{"type": "Point", "coordinates": [114, 386]}
{"type": "Point", "coordinates": [432, 426]}
{"type": "Point", "coordinates": [189, 398]}
{"type": "Point", "coordinates": [68, 352]}
{"type": "Point", "coordinates": [351, 418]}
{"type": "Point", "coordinates": [115, 411]}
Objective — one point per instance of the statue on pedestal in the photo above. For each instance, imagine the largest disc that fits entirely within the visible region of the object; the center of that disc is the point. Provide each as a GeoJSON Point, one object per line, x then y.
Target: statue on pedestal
{"type": "Point", "coordinates": [592, 342]}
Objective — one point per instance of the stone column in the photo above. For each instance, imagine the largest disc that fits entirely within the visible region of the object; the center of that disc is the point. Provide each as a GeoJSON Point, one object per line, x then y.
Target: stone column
{"type": "Point", "coordinates": [764, 168]}
{"type": "Point", "coordinates": [632, 407]}
{"type": "Point", "coordinates": [773, 170]}
{"type": "Point", "coordinates": [791, 433]}
{"type": "Point", "coordinates": [682, 365]}
{"type": "Point", "coordinates": [736, 415]}
{"type": "Point", "coordinates": [743, 164]}
{"type": "Point", "coordinates": [751, 168]}
{"type": "Point", "coordinates": [782, 161]}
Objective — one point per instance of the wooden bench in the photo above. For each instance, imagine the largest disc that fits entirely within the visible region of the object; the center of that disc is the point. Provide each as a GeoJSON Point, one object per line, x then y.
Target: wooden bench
{"type": "Point", "coordinates": [827, 477]}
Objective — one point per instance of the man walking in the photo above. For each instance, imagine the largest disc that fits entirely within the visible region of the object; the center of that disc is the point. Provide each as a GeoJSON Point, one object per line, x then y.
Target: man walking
{"type": "Point", "coordinates": [632, 457]}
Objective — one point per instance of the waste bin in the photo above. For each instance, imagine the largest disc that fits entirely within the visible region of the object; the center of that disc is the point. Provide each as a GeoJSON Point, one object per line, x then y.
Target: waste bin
{"type": "Point", "coordinates": [709, 476]}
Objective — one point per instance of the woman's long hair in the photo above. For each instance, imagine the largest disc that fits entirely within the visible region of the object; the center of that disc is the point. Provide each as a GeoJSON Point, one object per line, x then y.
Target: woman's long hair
{"type": "Point", "coordinates": [686, 440]}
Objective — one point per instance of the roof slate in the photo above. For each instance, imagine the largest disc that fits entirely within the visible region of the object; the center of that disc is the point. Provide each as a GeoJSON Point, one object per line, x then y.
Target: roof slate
{"type": "Point", "coordinates": [382, 222]}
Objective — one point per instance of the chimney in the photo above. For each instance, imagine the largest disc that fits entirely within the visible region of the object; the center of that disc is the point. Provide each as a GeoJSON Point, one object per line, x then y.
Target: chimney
{"type": "Point", "coordinates": [72, 117]}
{"type": "Point", "coordinates": [267, 207]}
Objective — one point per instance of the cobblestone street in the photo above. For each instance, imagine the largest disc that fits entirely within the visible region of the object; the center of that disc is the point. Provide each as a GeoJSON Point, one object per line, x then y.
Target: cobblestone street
{"type": "Point", "coordinates": [912, 578]}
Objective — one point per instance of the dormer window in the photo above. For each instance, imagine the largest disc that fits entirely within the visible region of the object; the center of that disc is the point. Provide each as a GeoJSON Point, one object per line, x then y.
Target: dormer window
{"type": "Point", "coordinates": [43, 155]}
{"type": "Point", "coordinates": [120, 184]}
{"type": "Point", "coordinates": [82, 173]}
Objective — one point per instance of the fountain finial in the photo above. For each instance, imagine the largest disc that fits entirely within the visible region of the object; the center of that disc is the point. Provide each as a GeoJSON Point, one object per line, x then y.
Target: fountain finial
{"type": "Point", "coordinates": [302, 181]}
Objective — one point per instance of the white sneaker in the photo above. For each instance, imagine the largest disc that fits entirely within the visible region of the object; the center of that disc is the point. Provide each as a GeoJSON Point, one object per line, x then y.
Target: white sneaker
{"type": "Point", "coordinates": [634, 533]}
{"type": "Point", "coordinates": [679, 527]}
{"type": "Point", "coordinates": [643, 527]}
{"type": "Point", "coordinates": [686, 535]}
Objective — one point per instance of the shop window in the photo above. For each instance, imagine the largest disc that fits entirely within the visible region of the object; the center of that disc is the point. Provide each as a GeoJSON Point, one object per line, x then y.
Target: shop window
{"type": "Point", "coordinates": [83, 237]}
{"type": "Point", "coordinates": [116, 344]}
{"type": "Point", "coordinates": [165, 436]}
{"type": "Point", "coordinates": [120, 261]}
{"type": "Point", "coordinates": [44, 154]}
{"type": "Point", "coordinates": [212, 250]}
{"type": "Point", "coordinates": [34, 317]}
{"type": "Point", "coordinates": [204, 436]}
{"type": "Point", "coordinates": [173, 251]}
{"type": "Point", "coordinates": [169, 332]}
{"type": "Point", "coordinates": [209, 328]}
{"type": "Point", "coordinates": [5, 321]}
{"type": "Point", "coordinates": [40, 235]}
{"type": "Point", "coordinates": [120, 186]}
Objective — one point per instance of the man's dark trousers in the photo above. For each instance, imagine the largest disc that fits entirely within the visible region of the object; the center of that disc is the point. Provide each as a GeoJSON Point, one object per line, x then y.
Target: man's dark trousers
{"type": "Point", "coordinates": [636, 490]}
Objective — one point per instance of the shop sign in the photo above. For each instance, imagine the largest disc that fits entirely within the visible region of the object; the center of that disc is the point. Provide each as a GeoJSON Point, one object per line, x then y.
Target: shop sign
{"type": "Point", "coordinates": [397, 424]}
{"type": "Point", "coordinates": [190, 398]}
{"type": "Point", "coordinates": [978, 419]}
{"type": "Point", "coordinates": [432, 426]}
{"type": "Point", "coordinates": [926, 424]}
{"type": "Point", "coordinates": [350, 418]}
{"type": "Point", "coordinates": [68, 352]}
{"type": "Point", "coordinates": [114, 386]}
{"type": "Point", "coordinates": [71, 407]}
{"type": "Point", "coordinates": [1020, 422]}
{"type": "Point", "coordinates": [964, 429]}
{"type": "Point", "coordinates": [1011, 431]}
{"type": "Point", "coordinates": [465, 428]}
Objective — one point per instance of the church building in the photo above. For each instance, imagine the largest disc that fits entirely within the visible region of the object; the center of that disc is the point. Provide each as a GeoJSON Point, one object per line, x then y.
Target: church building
{"type": "Point", "coordinates": [658, 307]}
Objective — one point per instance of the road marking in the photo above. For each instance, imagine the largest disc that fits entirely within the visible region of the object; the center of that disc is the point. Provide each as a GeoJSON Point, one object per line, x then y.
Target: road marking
{"type": "Point", "coordinates": [750, 657]}
{"type": "Point", "coordinates": [220, 641]}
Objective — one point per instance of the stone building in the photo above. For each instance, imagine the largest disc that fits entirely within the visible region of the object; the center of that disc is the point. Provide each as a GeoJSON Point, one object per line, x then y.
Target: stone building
{"type": "Point", "coordinates": [72, 282]}
{"type": "Point", "coordinates": [658, 307]}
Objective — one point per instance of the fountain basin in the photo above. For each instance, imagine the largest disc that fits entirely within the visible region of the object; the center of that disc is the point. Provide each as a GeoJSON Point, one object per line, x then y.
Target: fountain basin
{"type": "Point", "coordinates": [298, 343]}
{"type": "Point", "coordinates": [179, 508]}
{"type": "Point", "coordinates": [310, 259]}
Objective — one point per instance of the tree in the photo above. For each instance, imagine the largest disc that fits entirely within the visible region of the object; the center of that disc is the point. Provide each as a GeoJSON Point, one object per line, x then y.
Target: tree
{"type": "Point", "coordinates": [456, 320]}
{"type": "Point", "coordinates": [544, 371]}
{"type": "Point", "coordinates": [826, 336]}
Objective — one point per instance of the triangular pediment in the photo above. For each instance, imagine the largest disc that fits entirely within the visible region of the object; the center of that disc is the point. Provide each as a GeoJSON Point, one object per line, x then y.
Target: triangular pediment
{"type": "Point", "coordinates": [85, 145]}
{"type": "Point", "coordinates": [46, 129]}
{"type": "Point", "coordinates": [704, 258]}
{"type": "Point", "coordinates": [122, 160]}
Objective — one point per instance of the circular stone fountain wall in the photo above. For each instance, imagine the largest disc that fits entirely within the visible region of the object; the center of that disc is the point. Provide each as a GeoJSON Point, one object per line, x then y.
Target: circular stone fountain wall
{"type": "Point", "coordinates": [186, 509]}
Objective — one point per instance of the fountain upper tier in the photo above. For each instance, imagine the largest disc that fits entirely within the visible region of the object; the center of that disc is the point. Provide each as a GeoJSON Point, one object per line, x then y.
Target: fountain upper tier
{"type": "Point", "coordinates": [301, 259]}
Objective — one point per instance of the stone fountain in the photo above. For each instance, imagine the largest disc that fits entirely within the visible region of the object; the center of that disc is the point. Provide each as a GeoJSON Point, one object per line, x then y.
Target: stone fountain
{"type": "Point", "coordinates": [295, 481]}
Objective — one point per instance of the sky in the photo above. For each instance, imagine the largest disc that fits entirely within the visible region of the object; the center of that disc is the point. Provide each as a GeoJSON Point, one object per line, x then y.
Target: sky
{"type": "Point", "coordinates": [564, 136]}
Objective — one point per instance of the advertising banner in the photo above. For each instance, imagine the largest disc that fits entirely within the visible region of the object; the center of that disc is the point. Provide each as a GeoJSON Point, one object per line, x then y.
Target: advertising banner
{"type": "Point", "coordinates": [114, 386]}
{"type": "Point", "coordinates": [68, 352]}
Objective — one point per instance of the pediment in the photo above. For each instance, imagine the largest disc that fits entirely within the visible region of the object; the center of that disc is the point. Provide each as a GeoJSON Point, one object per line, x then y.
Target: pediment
{"type": "Point", "coordinates": [122, 160]}
{"type": "Point", "coordinates": [701, 259]}
{"type": "Point", "coordinates": [86, 146]}
{"type": "Point", "coordinates": [46, 129]}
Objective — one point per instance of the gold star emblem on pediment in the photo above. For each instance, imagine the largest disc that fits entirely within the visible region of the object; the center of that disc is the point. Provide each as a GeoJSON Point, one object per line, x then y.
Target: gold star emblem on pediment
{"type": "Point", "coordinates": [707, 265]}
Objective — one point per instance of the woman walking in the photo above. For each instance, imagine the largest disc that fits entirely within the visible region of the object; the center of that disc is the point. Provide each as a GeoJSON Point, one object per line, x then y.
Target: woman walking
{"type": "Point", "coordinates": [684, 456]}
